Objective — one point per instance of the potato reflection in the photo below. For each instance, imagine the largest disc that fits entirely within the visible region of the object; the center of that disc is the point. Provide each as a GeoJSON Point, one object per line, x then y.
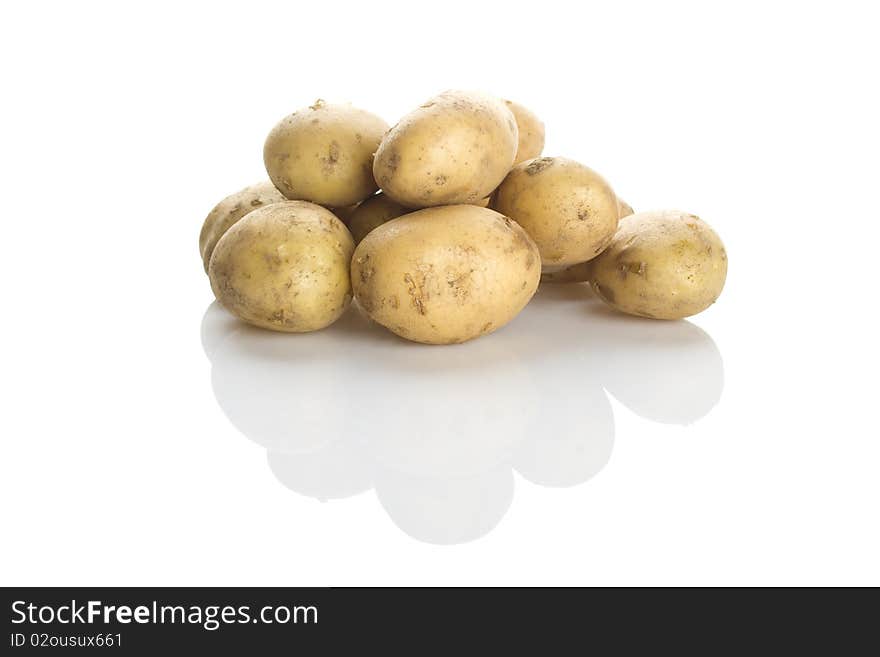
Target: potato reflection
{"type": "Point", "coordinates": [665, 371]}
{"type": "Point", "coordinates": [341, 469]}
{"type": "Point", "coordinates": [446, 510]}
{"type": "Point", "coordinates": [438, 431]}
{"type": "Point", "coordinates": [668, 372]}
{"type": "Point", "coordinates": [446, 412]}
{"type": "Point", "coordinates": [571, 447]}
{"type": "Point", "coordinates": [287, 395]}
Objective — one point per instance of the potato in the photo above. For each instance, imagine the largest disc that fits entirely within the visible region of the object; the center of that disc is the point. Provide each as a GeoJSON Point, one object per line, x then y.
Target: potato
{"type": "Point", "coordinates": [663, 265]}
{"type": "Point", "coordinates": [231, 209]}
{"type": "Point", "coordinates": [531, 132]}
{"type": "Point", "coordinates": [567, 208]}
{"type": "Point", "coordinates": [284, 267]}
{"type": "Point", "coordinates": [373, 212]}
{"type": "Point", "coordinates": [579, 273]}
{"type": "Point", "coordinates": [445, 275]}
{"type": "Point", "coordinates": [456, 148]}
{"type": "Point", "coordinates": [324, 154]}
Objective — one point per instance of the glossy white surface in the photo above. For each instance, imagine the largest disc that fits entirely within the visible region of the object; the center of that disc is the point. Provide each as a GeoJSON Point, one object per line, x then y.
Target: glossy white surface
{"type": "Point", "coordinates": [438, 432]}
{"type": "Point", "coordinates": [148, 438]}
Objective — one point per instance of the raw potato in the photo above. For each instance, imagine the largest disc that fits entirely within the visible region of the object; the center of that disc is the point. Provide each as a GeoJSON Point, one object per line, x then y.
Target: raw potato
{"type": "Point", "coordinates": [284, 267]}
{"type": "Point", "coordinates": [663, 265]}
{"type": "Point", "coordinates": [372, 213]}
{"type": "Point", "coordinates": [456, 148]}
{"type": "Point", "coordinates": [531, 132]}
{"type": "Point", "coordinates": [579, 273]}
{"type": "Point", "coordinates": [445, 275]}
{"type": "Point", "coordinates": [230, 210]}
{"type": "Point", "coordinates": [324, 154]}
{"type": "Point", "coordinates": [567, 208]}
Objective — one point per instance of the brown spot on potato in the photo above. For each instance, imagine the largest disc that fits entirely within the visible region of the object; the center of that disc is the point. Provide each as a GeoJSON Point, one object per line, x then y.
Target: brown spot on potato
{"type": "Point", "coordinates": [626, 266]}
{"type": "Point", "coordinates": [286, 186]}
{"type": "Point", "coordinates": [273, 260]}
{"type": "Point", "coordinates": [393, 161]}
{"type": "Point", "coordinates": [417, 293]}
{"type": "Point", "coordinates": [329, 162]}
{"type": "Point", "coordinates": [537, 165]}
{"type": "Point", "coordinates": [460, 285]}
{"type": "Point", "coordinates": [367, 270]}
{"type": "Point", "coordinates": [440, 181]}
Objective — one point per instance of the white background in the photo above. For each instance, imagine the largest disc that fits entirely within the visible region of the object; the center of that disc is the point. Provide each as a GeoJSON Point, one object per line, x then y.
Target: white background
{"type": "Point", "coordinates": [741, 447]}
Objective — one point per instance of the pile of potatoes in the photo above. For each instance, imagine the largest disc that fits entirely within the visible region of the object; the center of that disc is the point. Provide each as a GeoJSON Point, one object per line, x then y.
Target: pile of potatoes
{"type": "Point", "coordinates": [469, 220]}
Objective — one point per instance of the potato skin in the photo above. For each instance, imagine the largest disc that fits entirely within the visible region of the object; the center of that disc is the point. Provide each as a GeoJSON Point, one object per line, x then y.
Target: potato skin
{"type": "Point", "coordinates": [445, 275]}
{"type": "Point", "coordinates": [531, 132]}
{"type": "Point", "coordinates": [372, 213]}
{"type": "Point", "coordinates": [284, 267]}
{"type": "Point", "coordinates": [566, 207]}
{"type": "Point", "coordinates": [664, 265]}
{"type": "Point", "coordinates": [230, 210]}
{"type": "Point", "coordinates": [455, 148]}
{"type": "Point", "coordinates": [579, 273]}
{"type": "Point", "coordinates": [324, 154]}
